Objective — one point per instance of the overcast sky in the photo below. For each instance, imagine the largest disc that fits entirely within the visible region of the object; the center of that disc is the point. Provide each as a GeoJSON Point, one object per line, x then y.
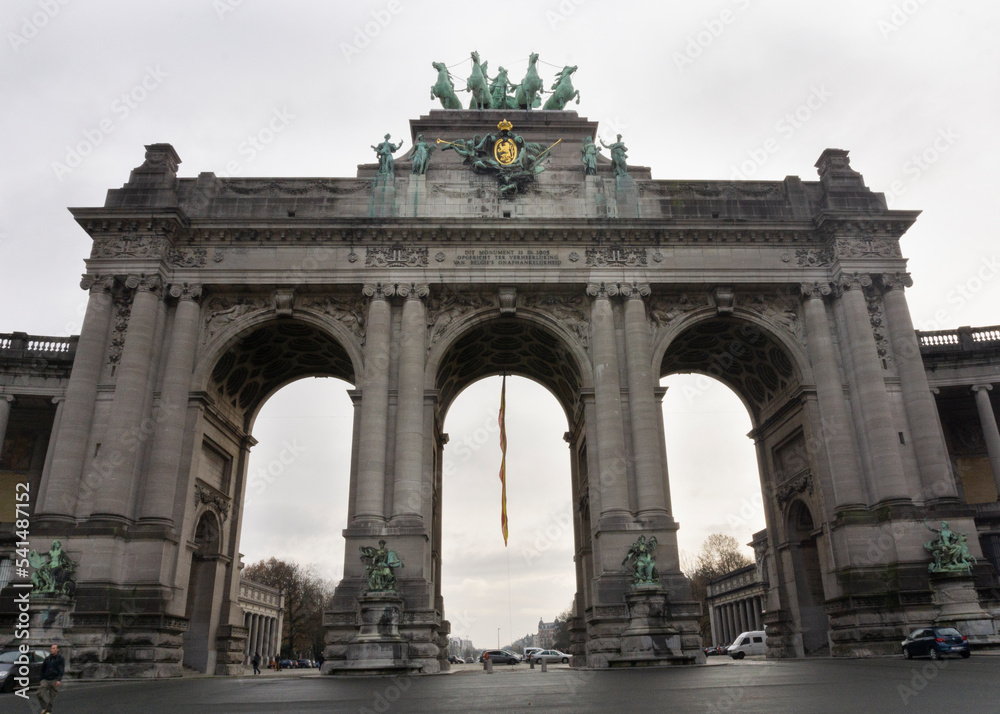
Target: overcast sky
{"type": "Point", "coordinates": [706, 90]}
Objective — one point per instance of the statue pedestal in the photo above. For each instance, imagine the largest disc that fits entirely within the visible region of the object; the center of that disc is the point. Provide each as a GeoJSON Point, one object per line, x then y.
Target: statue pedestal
{"type": "Point", "coordinates": [383, 203]}
{"type": "Point", "coordinates": [627, 197]}
{"type": "Point", "coordinates": [958, 606]}
{"type": "Point", "coordinates": [378, 647]}
{"type": "Point", "coordinates": [651, 639]}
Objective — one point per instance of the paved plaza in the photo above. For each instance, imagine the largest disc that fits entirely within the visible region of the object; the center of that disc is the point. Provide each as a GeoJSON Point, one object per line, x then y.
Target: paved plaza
{"type": "Point", "coordinates": [813, 686]}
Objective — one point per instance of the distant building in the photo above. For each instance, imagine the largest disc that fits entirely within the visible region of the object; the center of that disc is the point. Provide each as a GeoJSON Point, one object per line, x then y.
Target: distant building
{"type": "Point", "coordinates": [546, 636]}
{"type": "Point", "coordinates": [736, 599]}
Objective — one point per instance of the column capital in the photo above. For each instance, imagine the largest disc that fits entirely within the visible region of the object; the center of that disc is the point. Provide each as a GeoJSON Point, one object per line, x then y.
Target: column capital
{"type": "Point", "coordinates": [815, 290]}
{"type": "Point", "coordinates": [375, 291]}
{"type": "Point", "coordinates": [97, 283]}
{"type": "Point", "coordinates": [411, 291]}
{"type": "Point", "coordinates": [145, 284]}
{"type": "Point", "coordinates": [610, 290]}
{"type": "Point", "coordinates": [634, 291]}
{"type": "Point", "coordinates": [984, 386]}
{"type": "Point", "coordinates": [895, 281]}
{"type": "Point", "coordinates": [7, 398]}
{"type": "Point", "coordinates": [186, 291]}
{"type": "Point", "coordinates": [853, 281]}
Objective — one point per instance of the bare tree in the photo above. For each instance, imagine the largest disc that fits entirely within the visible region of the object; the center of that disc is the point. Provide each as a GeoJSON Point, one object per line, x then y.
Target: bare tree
{"type": "Point", "coordinates": [306, 596]}
{"type": "Point", "coordinates": [720, 554]}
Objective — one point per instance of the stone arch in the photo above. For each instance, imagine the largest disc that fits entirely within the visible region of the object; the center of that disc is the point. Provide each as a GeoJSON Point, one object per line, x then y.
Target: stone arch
{"type": "Point", "coordinates": [207, 568]}
{"type": "Point", "coordinates": [520, 344]}
{"type": "Point", "coordinates": [804, 553]}
{"type": "Point", "coordinates": [705, 342]}
{"type": "Point", "coordinates": [257, 356]}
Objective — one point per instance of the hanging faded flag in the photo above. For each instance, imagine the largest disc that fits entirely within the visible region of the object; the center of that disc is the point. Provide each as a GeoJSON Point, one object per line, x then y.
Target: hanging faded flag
{"type": "Point", "coordinates": [503, 459]}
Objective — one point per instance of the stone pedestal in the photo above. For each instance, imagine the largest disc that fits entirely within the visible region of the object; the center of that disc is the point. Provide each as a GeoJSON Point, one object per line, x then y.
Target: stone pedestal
{"type": "Point", "coordinates": [383, 196]}
{"type": "Point", "coordinates": [957, 602]}
{"type": "Point", "coordinates": [652, 638]}
{"type": "Point", "coordinates": [378, 647]}
{"type": "Point", "coordinates": [50, 618]}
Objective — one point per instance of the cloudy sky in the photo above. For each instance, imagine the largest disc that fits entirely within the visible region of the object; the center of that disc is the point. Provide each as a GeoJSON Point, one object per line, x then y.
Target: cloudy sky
{"type": "Point", "coordinates": [718, 89]}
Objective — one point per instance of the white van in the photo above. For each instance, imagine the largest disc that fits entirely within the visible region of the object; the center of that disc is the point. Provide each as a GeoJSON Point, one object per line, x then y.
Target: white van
{"type": "Point", "coordinates": [748, 643]}
{"type": "Point", "coordinates": [528, 651]}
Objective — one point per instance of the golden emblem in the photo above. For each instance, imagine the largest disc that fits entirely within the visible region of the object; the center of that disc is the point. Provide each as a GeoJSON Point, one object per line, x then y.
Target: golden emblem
{"type": "Point", "coordinates": [505, 151]}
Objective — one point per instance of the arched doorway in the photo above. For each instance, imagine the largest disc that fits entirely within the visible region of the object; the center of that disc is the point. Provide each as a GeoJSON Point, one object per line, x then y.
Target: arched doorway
{"type": "Point", "coordinates": [804, 553]}
{"type": "Point", "coordinates": [207, 566]}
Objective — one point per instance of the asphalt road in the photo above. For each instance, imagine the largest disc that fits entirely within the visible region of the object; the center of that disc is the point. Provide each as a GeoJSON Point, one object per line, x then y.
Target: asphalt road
{"type": "Point", "coordinates": [803, 686]}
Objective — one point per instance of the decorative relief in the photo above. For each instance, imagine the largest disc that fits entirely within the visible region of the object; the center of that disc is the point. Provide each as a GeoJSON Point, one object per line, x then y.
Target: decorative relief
{"type": "Point", "coordinates": [223, 310]}
{"type": "Point", "coordinates": [211, 497]}
{"type": "Point", "coordinates": [813, 257]}
{"type": "Point", "coordinates": [896, 281]}
{"type": "Point", "coordinates": [802, 484]}
{"type": "Point", "coordinates": [665, 309]}
{"type": "Point", "coordinates": [779, 310]}
{"type": "Point", "coordinates": [129, 245]}
{"type": "Point", "coordinates": [618, 255]}
{"type": "Point", "coordinates": [348, 311]}
{"type": "Point", "coordinates": [444, 309]}
{"type": "Point", "coordinates": [186, 291]}
{"type": "Point", "coordinates": [244, 187]}
{"type": "Point", "coordinates": [406, 290]}
{"type": "Point", "coordinates": [878, 326]}
{"type": "Point", "coordinates": [568, 310]}
{"type": "Point", "coordinates": [734, 189]}
{"type": "Point", "coordinates": [396, 256]}
{"type": "Point", "coordinates": [123, 310]}
{"type": "Point", "coordinates": [878, 230]}
{"type": "Point", "coordinates": [191, 258]}
{"type": "Point", "coordinates": [574, 256]}
{"type": "Point", "coordinates": [97, 283]}
{"type": "Point", "coordinates": [867, 247]}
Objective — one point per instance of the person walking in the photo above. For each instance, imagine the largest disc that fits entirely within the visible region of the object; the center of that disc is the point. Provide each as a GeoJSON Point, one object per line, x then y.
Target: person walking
{"type": "Point", "coordinates": [53, 668]}
{"type": "Point", "coordinates": [256, 662]}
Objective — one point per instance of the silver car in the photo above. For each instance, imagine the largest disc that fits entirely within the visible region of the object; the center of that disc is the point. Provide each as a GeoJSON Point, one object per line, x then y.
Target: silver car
{"type": "Point", "coordinates": [550, 656]}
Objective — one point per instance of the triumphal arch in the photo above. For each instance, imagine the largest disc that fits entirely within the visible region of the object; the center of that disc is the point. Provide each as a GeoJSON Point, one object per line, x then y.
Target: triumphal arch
{"type": "Point", "coordinates": [496, 241]}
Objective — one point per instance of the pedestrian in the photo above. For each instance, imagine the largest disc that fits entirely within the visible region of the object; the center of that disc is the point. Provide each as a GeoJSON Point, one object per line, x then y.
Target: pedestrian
{"type": "Point", "coordinates": [256, 662]}
{"type": "Point", "coordinates": [53, 668]}
{"type": "Point", "coordinates": [320, 659]}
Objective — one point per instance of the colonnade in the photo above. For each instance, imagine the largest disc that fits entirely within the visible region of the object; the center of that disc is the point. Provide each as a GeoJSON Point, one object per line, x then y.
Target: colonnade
{"type": "Point", "coordinates": [264, 637]}
{"type": "Point", "coordinates": [729, 619]}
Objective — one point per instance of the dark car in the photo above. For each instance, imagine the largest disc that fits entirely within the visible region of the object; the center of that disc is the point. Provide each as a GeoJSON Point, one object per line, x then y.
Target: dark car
{"type": "Point", "coordinates": [454, 660]}
{"type": "Point", "coordinates": [11, 663]}
{"type": "Point", "coordinates": [304, 664]}
{"type": "Point", "coordinates": [287, 663]}
{"type": "Point", "coordinates": [500, 657]}
{"type": "Point", "coordinates": [936, 642]}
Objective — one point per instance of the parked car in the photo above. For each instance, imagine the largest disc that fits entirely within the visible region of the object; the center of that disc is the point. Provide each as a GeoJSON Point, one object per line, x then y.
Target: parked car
{"type": "Point", "coordinates": [550, 656]}
{"type": "Point", "coordinates": [304, 664]}
{"type": "Point", "coordinates": [286, 663]}
{"type": "Point", "coordinates": [500, 657]}
{"type": "Point", "coordinates": [469, 660]}
{"type": "Point", "coordinates": [10, 668]}
{"type": "Point", "coordinates": [454, 660]}
{"type": "Point", "coordinates": [936, 642]}
{"type": "Point", "coordinates": [528, 651]}
{"type": "Point", "coordinates": [748, 643]}
{"type": "Point", "coordinates": [713, 651]}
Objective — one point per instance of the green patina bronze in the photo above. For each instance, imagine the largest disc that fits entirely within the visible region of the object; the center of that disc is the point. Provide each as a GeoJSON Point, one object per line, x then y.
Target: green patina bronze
{"type": "Point", "coordinates": [384, 151]}
{"type": "Point", "coordinates": [421, 155]}
{"type": "Point", "coordinates": [498, 91]}
{"type": "Point", "coordinates": [444, 88]}
{"type": "Point", "coordinates": [503, 154]}
{"type": "Point", "coordinates": [618, 155]}
{"type": "Point", "coordinates": [478, 85]}
{"type": "Point", "coordinates": [526, 95]}
{"type": "Point", "coordinates": [640, 561]}
{"type": "Point", "coordinates": [588, 154]}
{"type": "Point", "coordinates": [950, 551]}
{"type": "Point", "coordinates": [53, 571]}
{"type": "Point", "coordinates": [562, 90]}
{"type": "Point", "coordinates": [381, 564]}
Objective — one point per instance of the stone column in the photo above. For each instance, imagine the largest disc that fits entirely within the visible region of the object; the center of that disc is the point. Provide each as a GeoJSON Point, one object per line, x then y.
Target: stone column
{"type": "Point", "coordinates": [246, 644]}
{"type": "Point", "coordinates": [650, 483]}
{"type": "Point", "coordinates": [276, 638]}
{"type": "Point", "coordinates": [113, 469]}
{"type": "Point", "coordinates": [835, 429]}
{"type": "Point", "coordinates": [406, 500]}
{"type": "Point", "coordinates": [888, 479]}
{"type": "Point", "coordinates": [259, 634]}
{"type": "Point", "coordinates": [266, 644]}
{"type": "Point", "coordinates": [171, 418]}
{"type": "Point", "coordinates": [711, 622]}
{"type": "Point", "coordinates": [70, 440]}
{"type": "Point", "coordinates": [607, 394]}
{"type": "Point", "coordinates": [5, 401]}
{"type": "Point", "coordinates": [936, 476]}
{"type": "Point", "coordinates": [369, 502]}
{"type": "Point", "coordinates": [989, 423]}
